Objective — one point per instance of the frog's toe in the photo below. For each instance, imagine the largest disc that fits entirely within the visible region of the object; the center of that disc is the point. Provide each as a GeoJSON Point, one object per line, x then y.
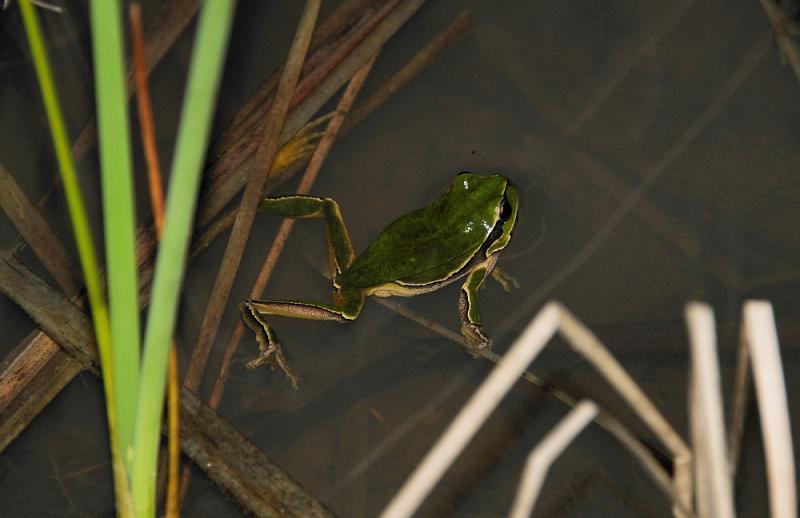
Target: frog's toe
{"type": "Point", "coordinates": [477, 341]}
{"type": "Point", "coordinates": [271, 353]}
{"type": "Point", "coordinates": [504, 279]}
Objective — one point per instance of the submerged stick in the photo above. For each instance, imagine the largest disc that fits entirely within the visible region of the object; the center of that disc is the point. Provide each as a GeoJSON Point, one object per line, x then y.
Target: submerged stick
{"type": "Point", "coordinates": [239, 467]}
{"type": "Point", "coordinates": [31, 381]}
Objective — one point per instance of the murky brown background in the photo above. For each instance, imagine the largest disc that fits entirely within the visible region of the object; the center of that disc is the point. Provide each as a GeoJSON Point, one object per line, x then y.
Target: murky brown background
{"type": "Point", "coordinates": [683, 105]}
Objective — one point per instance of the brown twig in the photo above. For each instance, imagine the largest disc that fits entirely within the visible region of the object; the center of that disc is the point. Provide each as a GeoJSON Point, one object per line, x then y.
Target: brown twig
{"type": "Point", "coordinates": [147, 126]}
{"type": "Point", "coordinates": [33, 294]}
{"type": "Point", "coordinates": [314, 165]}
{"type": "Point", "coordinates": [239, 467]}
{"type": "Point", "coordinates": [30, 381]}
{"type": "Point", "coordinates": [145, 110]}
{"type": "Point", "coordinates": [35, 230]}
{"type": "Point", "coordinates": [251, 197]}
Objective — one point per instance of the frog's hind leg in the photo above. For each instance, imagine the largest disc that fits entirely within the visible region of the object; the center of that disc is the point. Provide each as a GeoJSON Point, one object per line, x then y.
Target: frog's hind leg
{"type": "Point", "coordinates": [340, 249]}
{"type": "Point", "coordinates": [348, 304]}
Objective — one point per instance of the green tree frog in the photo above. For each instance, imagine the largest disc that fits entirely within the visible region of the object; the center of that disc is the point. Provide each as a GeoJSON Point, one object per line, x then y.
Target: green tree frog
{"type": "Point", "coordinates": [461, 234]}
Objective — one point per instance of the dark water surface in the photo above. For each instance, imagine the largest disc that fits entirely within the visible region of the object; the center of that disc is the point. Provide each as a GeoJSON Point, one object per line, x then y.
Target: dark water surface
{"type": "Point", "coordinates": [655, 145]}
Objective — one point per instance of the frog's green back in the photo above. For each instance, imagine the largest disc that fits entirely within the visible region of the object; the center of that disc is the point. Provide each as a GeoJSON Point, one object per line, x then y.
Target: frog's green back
{"type": "Point", "coordinates": [419, 247]}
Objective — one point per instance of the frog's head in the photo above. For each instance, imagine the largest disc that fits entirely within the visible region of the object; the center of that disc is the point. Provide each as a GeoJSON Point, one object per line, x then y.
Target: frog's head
{"type": "Point", "coordinates": [488, 192]}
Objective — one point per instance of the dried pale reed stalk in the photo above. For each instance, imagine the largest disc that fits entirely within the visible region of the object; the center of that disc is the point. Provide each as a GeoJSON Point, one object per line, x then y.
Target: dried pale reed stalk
{"type": "Point", "coordinates": [712, 473]}
{"type": "Point", "coordinates": [546, 452]}
{"type": "Point", "coordinates": [762, 340]}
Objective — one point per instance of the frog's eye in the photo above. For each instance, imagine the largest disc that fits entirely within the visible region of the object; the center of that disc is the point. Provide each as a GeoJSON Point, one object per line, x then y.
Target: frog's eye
{"type": "Point", "coordinates": [505, 210]}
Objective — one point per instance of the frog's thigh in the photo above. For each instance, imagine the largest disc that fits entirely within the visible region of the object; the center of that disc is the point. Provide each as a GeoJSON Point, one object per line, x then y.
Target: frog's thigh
{"type": "Point", "coordinates": [468, 301]}
{"type": "Point", "coordinates": [306, 310]}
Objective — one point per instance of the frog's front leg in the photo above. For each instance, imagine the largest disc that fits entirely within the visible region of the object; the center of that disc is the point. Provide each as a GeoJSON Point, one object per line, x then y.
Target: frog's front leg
{"type": "Point", "coordinates": [504, 279]}
{"type": "Point", "coordinates": [348, 304]}
{"type": "Point", "coordinates": [469, 312]}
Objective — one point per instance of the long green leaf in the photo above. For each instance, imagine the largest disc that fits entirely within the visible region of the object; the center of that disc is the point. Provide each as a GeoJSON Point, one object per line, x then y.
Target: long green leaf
{"type": "Point", "coordinates": [196, 117]}
{"type": "Point", "coordinates": [118, 210]}
{"type": "Point", "coordinates": [83, 237]}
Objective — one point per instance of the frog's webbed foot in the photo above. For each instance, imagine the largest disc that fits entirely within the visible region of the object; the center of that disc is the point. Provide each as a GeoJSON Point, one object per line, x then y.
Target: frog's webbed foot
{"type": "Point", "coordinates": [272, 354]}
{"type": "Point", "coordinates": [270, 351]}
{"type": "Point", "coordinates": [504, 279]}
{"type": "Point", "coordinates": [477, 341]}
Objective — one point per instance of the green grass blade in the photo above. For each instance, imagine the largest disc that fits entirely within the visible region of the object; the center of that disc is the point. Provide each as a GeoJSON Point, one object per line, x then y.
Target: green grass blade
{"type": "Point", "coordinates": [118, 210]}
{"type": "Point", "coordinates": [196, 117]}
{"type": "Point", "coordinates": [83, 237]}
